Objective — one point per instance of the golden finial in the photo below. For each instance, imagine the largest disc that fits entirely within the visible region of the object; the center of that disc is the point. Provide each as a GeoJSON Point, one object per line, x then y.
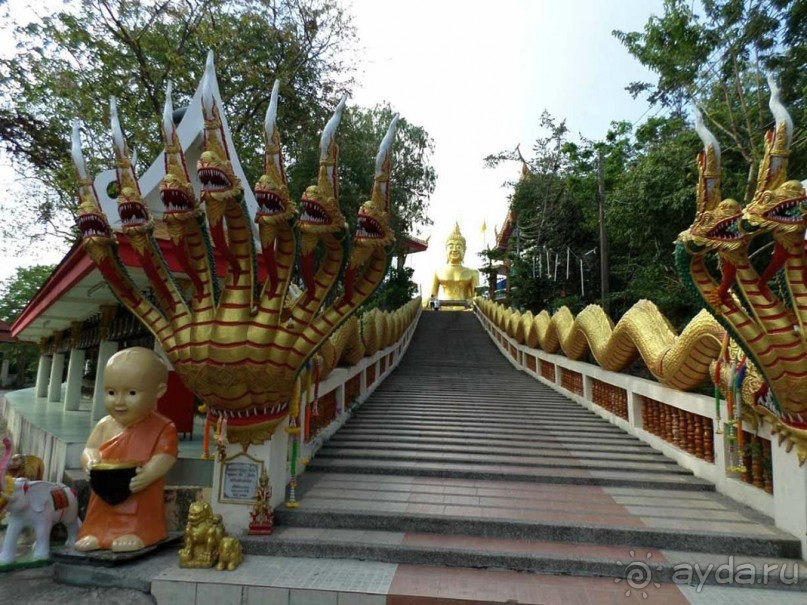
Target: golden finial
{"type": "Point", "coordinates": [525, 168]}
{"type": "Point", "coordinates": [455, 235]}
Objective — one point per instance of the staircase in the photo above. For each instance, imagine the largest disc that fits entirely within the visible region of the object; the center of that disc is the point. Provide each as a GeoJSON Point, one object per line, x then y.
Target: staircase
{"type": "Point", "coordinates": [459, 460]}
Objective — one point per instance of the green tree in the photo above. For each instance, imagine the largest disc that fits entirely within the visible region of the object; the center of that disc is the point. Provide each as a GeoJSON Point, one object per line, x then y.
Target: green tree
{"type": "Point", "coordinates": [70, 62]}
{"type": "Point", "coordinates": [553, 212]}
{"type": "Point", "coordinates": [15, 293]}
{"type": "Point", "coordinates": [394, 292]}
{"type": "Point", "coordinates": [650, 203]}
{"type": "Point", "coordinates": [412, 179]}
{"type": "Point", "coordinates": [718, 57]}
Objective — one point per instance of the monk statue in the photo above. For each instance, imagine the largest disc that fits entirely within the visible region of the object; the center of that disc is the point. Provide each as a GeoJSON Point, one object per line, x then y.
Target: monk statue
{"type": "Point", "coordinates": [135, 434]}
{"type": "Point", "coordinates": [458, 282]}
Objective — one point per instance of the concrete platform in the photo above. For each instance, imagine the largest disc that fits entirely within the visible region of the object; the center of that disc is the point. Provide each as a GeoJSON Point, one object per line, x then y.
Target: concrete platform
{"type": "Point", "coordinates": [279, 580]}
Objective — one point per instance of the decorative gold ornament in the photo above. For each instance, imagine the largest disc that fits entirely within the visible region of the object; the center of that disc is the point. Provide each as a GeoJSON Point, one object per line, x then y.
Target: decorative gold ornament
{"type": "Point", "coordinates": [680, 361]}
{"type": "Point", "coordinates": [261, 518]}
{"type": "Point", "coordinates": [768, 323]}
{"type": "Point", "coordinates": [240, 350]}
{"type": "Point", "coordinates": [203, 534]}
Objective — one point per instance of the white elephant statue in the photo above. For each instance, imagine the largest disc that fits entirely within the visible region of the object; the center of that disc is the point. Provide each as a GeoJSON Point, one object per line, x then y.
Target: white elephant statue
{"type": "Point", "coordinates": [36, 504]}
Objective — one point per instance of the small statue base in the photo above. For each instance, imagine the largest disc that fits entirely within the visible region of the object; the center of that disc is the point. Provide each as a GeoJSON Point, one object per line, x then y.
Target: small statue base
{"type": "Point", "coordinates": [258, 529]}
{"type": "Point", "coordinates": [455, 305]}
{"type": "Point", "coordinates": [107, 558]}
{"type": "Point", "coordinates": [21, 563]}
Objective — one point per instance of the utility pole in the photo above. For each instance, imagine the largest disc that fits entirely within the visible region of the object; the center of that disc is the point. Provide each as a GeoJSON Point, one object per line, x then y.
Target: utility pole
{"type": "Point", "coordinates": [603, 234]}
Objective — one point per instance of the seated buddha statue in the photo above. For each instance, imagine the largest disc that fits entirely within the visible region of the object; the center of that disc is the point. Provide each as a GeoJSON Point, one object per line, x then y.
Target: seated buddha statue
{"type": "Point", "coordinates": [458, 282]}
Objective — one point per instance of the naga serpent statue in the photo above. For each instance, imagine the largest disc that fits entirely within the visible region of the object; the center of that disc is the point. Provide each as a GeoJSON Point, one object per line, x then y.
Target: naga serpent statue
{"type": "Point", "coordinates": [766, 323]}
{"type": "Point", "coordinates": [677, 361]}
{"type": "Point", "coordinates": [240, 345]}
{"type": "Point", "coordinates": [751, 338]}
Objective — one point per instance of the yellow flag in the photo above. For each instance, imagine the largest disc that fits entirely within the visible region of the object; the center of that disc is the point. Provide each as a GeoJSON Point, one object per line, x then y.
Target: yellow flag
{"type": "Point", "coordinates": [484, 226]}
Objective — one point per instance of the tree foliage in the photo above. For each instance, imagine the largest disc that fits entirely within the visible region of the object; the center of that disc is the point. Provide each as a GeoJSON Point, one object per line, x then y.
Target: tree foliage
{"type": "Point", "coordinates": [412, 179]}
{"type": "Point", "coordinates": [15, 292]}
{"type": "Point", "coordinates": [717, 57]}
{"type": "Point", "coordinates": [395, 291]}
{"type": "Point", "coordinates": [554, 212]}
{"type": "Point", "coordinates": [68, 63]}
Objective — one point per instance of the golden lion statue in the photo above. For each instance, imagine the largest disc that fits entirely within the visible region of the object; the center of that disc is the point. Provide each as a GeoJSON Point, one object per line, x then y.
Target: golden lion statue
{"type": "Point", "coordinates": [203, 533]}
{"type": "Point", "coordinates": [206, 544]}
{"type": "Point", "coordinates": [230, 554]}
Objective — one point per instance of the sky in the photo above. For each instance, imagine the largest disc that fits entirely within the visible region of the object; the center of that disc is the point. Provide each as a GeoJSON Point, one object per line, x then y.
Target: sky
{"type": "Point", "coordinates": [477, 76]}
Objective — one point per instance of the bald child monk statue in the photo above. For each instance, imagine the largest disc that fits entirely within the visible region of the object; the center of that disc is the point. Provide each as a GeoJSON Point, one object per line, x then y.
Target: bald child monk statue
{"type": "Point", "coordinates": [134, 379]}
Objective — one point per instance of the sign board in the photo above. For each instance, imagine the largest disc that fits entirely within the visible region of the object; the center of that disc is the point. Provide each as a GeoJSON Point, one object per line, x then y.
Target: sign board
{"type": "Point", "coordinates": [239, 479]}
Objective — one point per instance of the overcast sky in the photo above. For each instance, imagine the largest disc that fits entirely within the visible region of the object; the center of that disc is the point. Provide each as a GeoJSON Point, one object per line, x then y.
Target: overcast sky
{"type": "Point", "coordinates": [477, 75]}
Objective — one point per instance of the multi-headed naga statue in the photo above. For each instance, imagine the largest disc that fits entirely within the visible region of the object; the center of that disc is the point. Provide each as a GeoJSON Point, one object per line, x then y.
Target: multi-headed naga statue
{"type": "Point", "coordinates": [765, 314]}
{"type": "Point", "coordinates": [240, 344]}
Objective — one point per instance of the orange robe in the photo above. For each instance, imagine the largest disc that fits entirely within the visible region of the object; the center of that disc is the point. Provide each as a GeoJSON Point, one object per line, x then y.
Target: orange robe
{"type": "Point", "coordinates": [141, 514]}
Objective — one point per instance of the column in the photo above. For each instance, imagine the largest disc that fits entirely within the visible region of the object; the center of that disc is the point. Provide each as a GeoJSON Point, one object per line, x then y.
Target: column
{"type": "Point", "coordinates": [789, 491]}
{"type": "Point", "coordinates": [4, 372]}
{"type": "Point", "coordinates": [43, 375]}
{"type": "Point", "coordinates": [75, 374]}
{"type": "Point", "coordinates": [106, 349]}
{"type": "Point", "coordinates": [272, 455]}
{"type": "Point", "coordinates": [56, 372]}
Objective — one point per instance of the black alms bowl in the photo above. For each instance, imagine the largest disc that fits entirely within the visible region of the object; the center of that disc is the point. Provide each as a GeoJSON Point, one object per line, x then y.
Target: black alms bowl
{"type": "Point", "coordinates": [110, 480]}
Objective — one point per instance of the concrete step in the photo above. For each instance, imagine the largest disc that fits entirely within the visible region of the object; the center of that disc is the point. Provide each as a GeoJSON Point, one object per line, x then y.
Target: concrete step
{"type": "Point", "coordinates": [484, 420]}
{"type": "Point", "coordinates": [569, 461]}
{"type": "Point", "coordinates": [512, 529]}
{"type": "Point", "coordinates": [512, 428]}
{"type": "Point", "coordinates": [674, 517]}
{"type": "Point", "coordinates": [293, 581]}
{"type": "Point", "coordinates": [526, 448]}
{"type": "Point", "coordinates": [491, 409]}
{"type": "Point", "coordinates": [540, 556]}
{"type": "Point", "coordinates": [508, 437]}
{"type": "Point", "coordinates": [481, 471]}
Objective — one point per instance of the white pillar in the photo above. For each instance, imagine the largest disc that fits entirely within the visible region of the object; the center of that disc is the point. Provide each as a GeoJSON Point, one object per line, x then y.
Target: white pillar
{"type": "Point", "coordinates": [43, 375]}
{"type": "Point", "coordinates": [272, 455]}
{"type": "Point", "coordinates": [106, 349]}
{"type": "Point", "coordinates": [56, 371]}
{"type": "Point", "coordinates": [4, 372]}
{"type": "Point", "coordinates": [789, 492]}
{"type": "Point", "coordinates": [75, 374]}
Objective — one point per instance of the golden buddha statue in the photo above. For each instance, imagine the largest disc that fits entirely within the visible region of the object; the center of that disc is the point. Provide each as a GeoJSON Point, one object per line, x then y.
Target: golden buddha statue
{"type": "Point", "coordinates": [457, 281]}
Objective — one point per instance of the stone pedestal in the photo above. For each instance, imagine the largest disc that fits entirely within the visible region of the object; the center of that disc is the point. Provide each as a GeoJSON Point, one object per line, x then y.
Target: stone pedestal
{"type": "Point", "coordinates": [236, 475]}
{"type": "Point", "coordinates": [106, 349]}
{"type": "Point", "coordinates": [56, 372]}
{"type": "Point", "coordinates": [75, 374]}
{"type": "Point", "coordinates": [43, 375]}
